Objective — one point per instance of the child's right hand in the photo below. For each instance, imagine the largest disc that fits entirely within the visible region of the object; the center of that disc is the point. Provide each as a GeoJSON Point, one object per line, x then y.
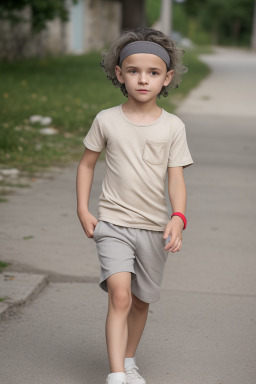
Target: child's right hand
{"type": "Point", "coordinates": [88, 222]}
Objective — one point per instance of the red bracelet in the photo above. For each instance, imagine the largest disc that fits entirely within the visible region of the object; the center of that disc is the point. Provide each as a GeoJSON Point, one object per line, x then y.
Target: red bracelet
{"type": "Point", "coordinates": [181, 216]}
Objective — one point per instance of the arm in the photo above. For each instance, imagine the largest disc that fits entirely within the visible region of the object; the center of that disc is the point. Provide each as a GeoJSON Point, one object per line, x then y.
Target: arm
{"type": "Point", "coordinates": [84, 180]}
{"type": "Point", "coordinates": [178, 196]}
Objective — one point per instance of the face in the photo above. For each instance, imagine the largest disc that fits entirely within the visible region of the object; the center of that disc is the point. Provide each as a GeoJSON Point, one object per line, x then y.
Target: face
{"type": "Point", "coordinates": [144, 75]}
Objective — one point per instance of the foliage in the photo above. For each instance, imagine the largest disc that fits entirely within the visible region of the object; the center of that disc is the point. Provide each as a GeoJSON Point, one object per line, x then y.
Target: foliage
{"type": "Point", "coordinates": [227, 21]}
{"type": "Point", "coordinates": [153, 8]}
{"type": "Point", "coordinates": [41, 11]}
{"type": "Point", "coordinates": [206, 21]}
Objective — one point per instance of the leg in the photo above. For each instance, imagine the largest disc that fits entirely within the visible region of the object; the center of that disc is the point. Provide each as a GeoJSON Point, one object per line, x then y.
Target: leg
{"type": "Point", "coordinates": [149, 266]}
{"type": "Point", "coordinates": [119, 304]}
{"type": "Point", "coordinates": [136, 322]}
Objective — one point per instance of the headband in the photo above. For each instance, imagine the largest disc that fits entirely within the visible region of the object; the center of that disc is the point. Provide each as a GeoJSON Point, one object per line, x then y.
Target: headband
{"type": "Point", "coordinates": [144, 47]}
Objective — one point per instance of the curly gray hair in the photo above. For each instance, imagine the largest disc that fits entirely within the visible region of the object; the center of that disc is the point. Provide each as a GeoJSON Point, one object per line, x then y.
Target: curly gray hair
{"type": "Point", "coordinates": [111, 57]}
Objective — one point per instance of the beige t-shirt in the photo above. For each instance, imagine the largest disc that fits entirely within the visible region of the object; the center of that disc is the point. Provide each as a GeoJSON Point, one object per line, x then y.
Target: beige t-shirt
{"type": "Point", "coordinates": [137, 157]}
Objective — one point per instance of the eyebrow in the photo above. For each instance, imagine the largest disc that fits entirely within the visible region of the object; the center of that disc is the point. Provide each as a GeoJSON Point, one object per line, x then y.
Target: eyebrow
{"type": "Point", "coordinates": [152, 69]}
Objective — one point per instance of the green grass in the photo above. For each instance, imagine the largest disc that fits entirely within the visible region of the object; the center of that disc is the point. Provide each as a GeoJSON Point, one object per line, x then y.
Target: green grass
{"type": "Point", "coordinates": [69, 89]}
{"type": "Point", "coordinates": [3, 265]}
{"type": "Point", "coordinates": [14, 185]}
{"type": "Point", "coordinates": [3, 193]}
{"type": "Point", "coordinates": [28, 237]}
{"type": "Point", "coordinates": [3, 200]}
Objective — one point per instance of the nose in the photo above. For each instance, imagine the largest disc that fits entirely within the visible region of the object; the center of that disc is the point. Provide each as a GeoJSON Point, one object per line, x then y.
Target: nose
{"type": "Point", "coordinates": [143, 79]}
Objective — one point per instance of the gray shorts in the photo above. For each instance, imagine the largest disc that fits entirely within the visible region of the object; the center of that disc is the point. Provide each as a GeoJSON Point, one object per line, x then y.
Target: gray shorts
{"type": "Point", "coordinates": [139, 251]}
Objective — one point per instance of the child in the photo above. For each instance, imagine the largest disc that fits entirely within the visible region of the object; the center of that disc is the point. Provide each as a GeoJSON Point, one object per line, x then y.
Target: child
{"type": "Point", "coordinates": [133, 232]}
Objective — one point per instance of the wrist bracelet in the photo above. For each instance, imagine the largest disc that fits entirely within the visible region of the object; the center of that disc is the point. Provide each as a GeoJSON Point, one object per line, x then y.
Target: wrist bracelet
{"type": "Point", "coordinates": [182, 217]}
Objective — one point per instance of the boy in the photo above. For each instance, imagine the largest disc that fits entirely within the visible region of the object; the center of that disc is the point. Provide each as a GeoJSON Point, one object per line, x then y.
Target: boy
{"type": "Point", "coordinates": [133, 232]}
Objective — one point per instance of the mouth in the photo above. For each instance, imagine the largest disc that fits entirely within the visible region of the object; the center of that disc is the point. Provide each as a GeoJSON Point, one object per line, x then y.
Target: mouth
{"type": "Point", "coordinates": [142, 90]}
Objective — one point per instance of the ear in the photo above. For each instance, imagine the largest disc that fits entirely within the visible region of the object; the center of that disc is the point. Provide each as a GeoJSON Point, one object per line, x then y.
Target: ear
{"type": "Point", "coordinates": [168, 78]}
{"type": "Point", "coordinates": [119, 76]}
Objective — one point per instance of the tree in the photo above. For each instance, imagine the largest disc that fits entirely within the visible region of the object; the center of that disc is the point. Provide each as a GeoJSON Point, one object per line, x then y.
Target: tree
{"type": "Point", "coordinates": [133, 14]}
{"type": "Point", "coordinates": [228, 21]}
{"type": "Point", "coordinates": [42, 11]}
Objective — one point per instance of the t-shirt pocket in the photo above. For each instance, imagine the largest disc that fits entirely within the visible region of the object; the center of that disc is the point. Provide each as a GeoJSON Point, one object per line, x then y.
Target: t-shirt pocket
{"type": "Point", "coordinates": [154, 152]}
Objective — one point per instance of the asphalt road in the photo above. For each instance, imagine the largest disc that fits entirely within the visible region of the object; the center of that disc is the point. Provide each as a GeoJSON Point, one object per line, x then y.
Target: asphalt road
{"type": "Point", "coordinates": [203, 330]}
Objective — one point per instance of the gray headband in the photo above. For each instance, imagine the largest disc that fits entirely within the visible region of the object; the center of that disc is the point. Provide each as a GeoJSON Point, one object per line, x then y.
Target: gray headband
{"type": "Point", "coordinates": [144, 47]}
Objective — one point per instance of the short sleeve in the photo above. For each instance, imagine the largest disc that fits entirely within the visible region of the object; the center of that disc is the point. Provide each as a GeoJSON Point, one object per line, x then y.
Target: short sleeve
{"type": "Point", "coordinates": [179, 154]}
{"type": "Point", "coordinates": [94, 139]}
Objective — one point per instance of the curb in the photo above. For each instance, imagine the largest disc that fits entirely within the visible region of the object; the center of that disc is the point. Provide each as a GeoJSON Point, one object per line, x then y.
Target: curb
{"type": "Point", "coordinates": [17, 289]}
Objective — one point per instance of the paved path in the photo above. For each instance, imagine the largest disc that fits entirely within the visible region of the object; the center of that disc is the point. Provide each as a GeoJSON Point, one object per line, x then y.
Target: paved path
{"type": "Point", "coordinates": [203, 329]}
{"type": "Point", "coordinates": [230, 90]}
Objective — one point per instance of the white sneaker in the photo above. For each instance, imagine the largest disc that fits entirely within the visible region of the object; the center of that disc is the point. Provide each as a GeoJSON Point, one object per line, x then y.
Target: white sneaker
{"type": "Point", "coordinates": [121, 380]}
{"type": "Point", "coordinates": [133, 376]}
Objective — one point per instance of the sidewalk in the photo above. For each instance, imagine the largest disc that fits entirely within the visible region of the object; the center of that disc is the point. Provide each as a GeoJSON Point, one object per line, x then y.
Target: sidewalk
{"type": "Point", "coordinates": [34, 244]}
{"type": "Point", "coordinates": [230, 89]}
{"type": "Point", "coordinates": [18, 289]}
{"type": "Point", "coordinates": [204, 327]}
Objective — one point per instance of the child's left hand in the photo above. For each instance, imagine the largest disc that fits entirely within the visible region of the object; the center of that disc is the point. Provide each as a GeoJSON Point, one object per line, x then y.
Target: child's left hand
{"type": "Point", "coordinates": [174, 228]}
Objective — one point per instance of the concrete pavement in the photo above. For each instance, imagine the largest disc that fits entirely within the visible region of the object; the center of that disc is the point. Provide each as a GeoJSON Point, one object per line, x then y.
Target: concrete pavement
{"type": "Point", "coordinates": [231, 91]}
{"type": "Point", "coordinates": [203, 329]}
{"type": "Point", "coordinates": [18, 289]}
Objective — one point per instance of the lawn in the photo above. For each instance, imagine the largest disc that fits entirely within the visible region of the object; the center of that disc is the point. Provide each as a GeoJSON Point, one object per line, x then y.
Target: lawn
{"type": "Point", "coordinates": [71, 90]}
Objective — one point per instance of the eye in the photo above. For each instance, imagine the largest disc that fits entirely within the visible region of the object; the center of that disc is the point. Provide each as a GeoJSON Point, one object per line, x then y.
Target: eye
{"type": "Point", "coordinates": [154, 73]}
{"type": "Point", "coordinates": [132, 71]}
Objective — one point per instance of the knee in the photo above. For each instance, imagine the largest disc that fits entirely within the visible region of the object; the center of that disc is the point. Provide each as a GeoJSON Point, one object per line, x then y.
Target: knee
{"type": "Point", "coordinates": [120, 299]}
{"type": "Point", "coordinates": [139, 305]}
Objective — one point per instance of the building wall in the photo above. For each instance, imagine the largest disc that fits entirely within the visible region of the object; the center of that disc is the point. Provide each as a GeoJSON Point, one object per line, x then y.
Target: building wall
{"type": "Point", "coordinates": [103, 22]}
{"type": "Point", "coordinates": [100, 23]}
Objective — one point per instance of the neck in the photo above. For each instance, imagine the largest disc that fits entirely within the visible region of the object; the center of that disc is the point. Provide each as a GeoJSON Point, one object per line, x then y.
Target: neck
{"type": "Point", "coordinates": [140, 108]}
{"type": "Point", "coordinates": [142, 113]}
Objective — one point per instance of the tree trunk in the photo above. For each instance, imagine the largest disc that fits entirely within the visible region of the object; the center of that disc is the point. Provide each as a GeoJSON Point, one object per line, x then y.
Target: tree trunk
{"type": "Point", "coordinates": [215, 33]}
{"type": "Point", "coordinates": [236, 28]}
{"type": "Point", "coordinates": [133, 14]}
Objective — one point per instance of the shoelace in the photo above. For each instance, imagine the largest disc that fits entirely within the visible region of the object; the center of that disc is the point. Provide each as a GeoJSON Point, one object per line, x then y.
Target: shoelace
{"type": "Point", "coordinates": [133, 373]}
